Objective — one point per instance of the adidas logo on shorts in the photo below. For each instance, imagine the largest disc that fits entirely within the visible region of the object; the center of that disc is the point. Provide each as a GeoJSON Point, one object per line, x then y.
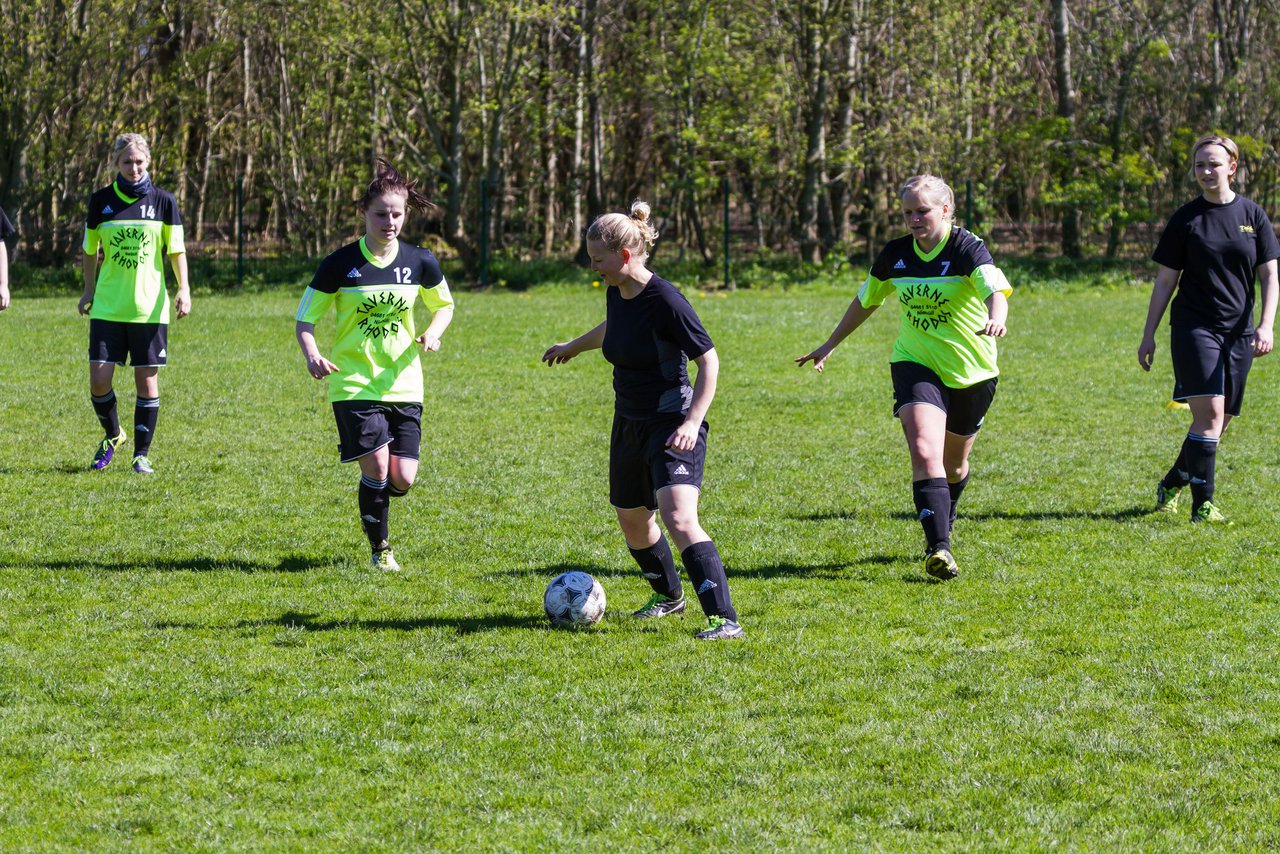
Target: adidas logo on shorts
{"type": "Point", "coordinates": [901, 265]}
{"type": "Point", "coordinates": [681, 470]}
{"type": "Point", "coordinates": [354, 274]}
{"type": "Point", "coordinates": [108, 210]}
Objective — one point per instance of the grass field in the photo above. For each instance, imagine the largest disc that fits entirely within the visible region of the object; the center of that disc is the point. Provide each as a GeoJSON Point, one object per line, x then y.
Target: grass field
{"type": "Point", "coordinates": [201, 660]}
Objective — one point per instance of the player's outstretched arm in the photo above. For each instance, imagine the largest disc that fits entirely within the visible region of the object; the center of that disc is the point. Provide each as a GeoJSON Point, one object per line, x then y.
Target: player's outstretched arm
{"type": "Point", "coordinates": [430, 340]}
{"type": "Point", "coordinates": [853, 318]}
{"type": "Point", "coordinates": [4, 276]}
{"type": "Point", "coordinates": [318, 366]}
{"type": "Point", "coordinates": [89, 269]}
{"type": "Point", "coordinates": [182, 299]}
{"type": "Point", "coordinates": [997, 315]}
{"type": "Point", "coordinates": [1264, 336]}
{"type": "Point", "coordinates": [558, 354]}
{"type": "Point", "coordinates": [1161, 293]}
{"type": "Point", "coordinates": [685, 436]}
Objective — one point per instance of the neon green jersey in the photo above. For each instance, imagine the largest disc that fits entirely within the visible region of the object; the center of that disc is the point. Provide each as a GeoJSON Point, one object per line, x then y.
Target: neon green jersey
{"type": "Point", "coordinates": [373, 345]}
{"type": "Point", "coordinates": [135, 235]}
{"type": "Point", "coordinates": [942, 296]}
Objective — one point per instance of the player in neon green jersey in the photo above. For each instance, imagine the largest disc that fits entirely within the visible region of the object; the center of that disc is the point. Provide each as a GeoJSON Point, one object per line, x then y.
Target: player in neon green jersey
{"type": "Point", "coordinates": [954, 305]}
{"type": "Point", "coordinates": [375, 374]}
{"type": "Point", "coordinates": [136, 226]}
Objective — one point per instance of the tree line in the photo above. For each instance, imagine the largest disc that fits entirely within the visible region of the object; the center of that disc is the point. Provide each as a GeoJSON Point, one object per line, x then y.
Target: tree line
{"type": "Point", "coordinates": [1067, 122]}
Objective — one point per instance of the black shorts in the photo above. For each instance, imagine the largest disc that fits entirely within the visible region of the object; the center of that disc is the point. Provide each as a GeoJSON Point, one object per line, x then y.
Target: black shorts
{"type": "Point", "coordinates": [364, 426]}
{"type": "Point", "coordinates": [640, 463]}
{"type": "Point", "coordinates": [966, 408]}
{"type": "Point", "coordinates": [1210, 364]}
{"type": "Point", "coordinates": [146, 344]}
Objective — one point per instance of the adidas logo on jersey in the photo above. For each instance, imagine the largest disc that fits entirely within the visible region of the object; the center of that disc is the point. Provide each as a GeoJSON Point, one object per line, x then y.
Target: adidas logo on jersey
{"type": "Point", "coordinates": [681, 470]}
{"type": "Point", "coordinates": [901, 265]}
{"type": "Point", "coordinates": [107, 210]}
{"type": "Point", "coordinates": [707, 584]}
{"type": "Point", "coordinates": [354, 274]}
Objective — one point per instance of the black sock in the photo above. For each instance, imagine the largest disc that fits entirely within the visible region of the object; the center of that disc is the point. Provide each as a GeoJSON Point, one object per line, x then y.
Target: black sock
{"type": "Point", "coordinates": [105, 408]}
{"type": "Point", "coordinates": [373, 511]}
{"type": "Point", "coordinates": [955, 489]}
{"type": "Point", "coordinates": [659, 568]}
{"type": "Point", "coordinates": [1178, 477]}
{"type": "Point", "coordinates": [933, 509]}
{"type": "Point", "coordinates": [393, 492]}
{"type": "Point", "coordinates": [702, 562]}
{"type": "Point", "coordinates": [146, 411]}
{"type": "Point", "coordinates": [1201, 453]}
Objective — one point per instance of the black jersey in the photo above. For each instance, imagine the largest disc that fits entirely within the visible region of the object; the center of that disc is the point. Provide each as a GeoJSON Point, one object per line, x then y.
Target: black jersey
{"type": "Point", "coordinates": [649, 339]}
{"type": "Point", "coordinates": [6, 228]}
{"type": "Point", "coordinates": [1218, 249]}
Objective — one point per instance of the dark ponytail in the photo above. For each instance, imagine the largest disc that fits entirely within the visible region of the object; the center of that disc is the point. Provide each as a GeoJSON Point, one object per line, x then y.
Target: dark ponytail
{"type": "Point", "coordinates": [388, 180]}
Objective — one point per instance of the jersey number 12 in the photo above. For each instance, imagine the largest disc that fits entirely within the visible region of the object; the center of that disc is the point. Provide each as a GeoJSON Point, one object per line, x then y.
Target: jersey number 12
{"type": "Point", "coordinates": [404, 275]}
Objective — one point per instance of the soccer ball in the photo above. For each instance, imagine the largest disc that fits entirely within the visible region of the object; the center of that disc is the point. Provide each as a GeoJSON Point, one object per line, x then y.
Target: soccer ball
{"type": "Point", "coordinates": [574, 599]}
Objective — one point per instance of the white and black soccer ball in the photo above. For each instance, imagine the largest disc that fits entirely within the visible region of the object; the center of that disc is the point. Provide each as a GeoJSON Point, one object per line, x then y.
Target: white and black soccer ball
{"type": "Point", "coordinates": [574, 599]}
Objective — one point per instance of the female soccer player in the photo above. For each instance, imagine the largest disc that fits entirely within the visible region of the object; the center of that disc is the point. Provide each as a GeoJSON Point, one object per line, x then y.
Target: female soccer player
{"type": "Point", "coordinates": [375, 376]}
{"type": "Point", "coordinates": [954, 306]}
{"type": "Point", "coordinates": [6, 231]}
{"type": "Point", "coordinates": [1213, 251]}
{"type": "Point", "coordinates": [136, 224]}
{"type": "Point", "coordinates": [659, 441]}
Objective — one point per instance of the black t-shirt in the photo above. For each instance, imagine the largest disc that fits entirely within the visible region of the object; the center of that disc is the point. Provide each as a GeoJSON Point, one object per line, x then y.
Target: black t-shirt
{"type": "Point", "coordinates": [649, 339]}
{"type": "Point", "coordinates": [6, 228]}
{"type": "Point", "coordinates": [1218, 249]}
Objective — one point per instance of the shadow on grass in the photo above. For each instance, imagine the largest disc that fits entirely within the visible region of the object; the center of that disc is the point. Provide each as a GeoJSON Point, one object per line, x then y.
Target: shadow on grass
{"type": "Point", "coordinates": [312, 623]}
{"type": "Point", "coordinates": [293, 563]}
{"type": "Point", "coordinates": [551, 571]}
{"type": "Point", "coordinates": [1042, 515]}
{"type": "Point", "coordinates": [843, 570]}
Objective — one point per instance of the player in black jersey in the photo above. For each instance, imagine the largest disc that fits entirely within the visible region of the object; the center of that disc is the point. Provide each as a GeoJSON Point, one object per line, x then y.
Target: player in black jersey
{"type": "Point", "coordinates": [659, 440]}
{"type": "Point", "coordinates": [1213, 252]}
{"type": "Point", "coordinates": [375, 375]}
{"type": "Point", "coordinates": [135, 226]}
{"type": "Point", "coordinates": [6, 231]}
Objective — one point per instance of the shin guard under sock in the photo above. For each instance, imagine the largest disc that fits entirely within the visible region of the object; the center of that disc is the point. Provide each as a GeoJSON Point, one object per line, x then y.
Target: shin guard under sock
{"type": "Point", "coordinates": [933, 509]}
{"type": "Point", "coordinates": [1201, 454]}
{"type": "Point", "coordinates": [105, 408]}
{"type": "Point", "coordinates": [706, 571]}
{"type": "Point", "coordinates": [373, 511]}
{"type": "Point", "coordinates": [146, 412]}
{"type": "Point", "coordinates": [658, 567]}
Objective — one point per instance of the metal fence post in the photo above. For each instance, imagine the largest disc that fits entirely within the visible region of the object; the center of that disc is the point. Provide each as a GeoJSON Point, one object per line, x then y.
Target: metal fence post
{"type": "Point", "coordinates": [724, 186]}
{"type": "Point", "coordinates": [484, 232]}
{"type": "Point", "coordinates": [240, 231]}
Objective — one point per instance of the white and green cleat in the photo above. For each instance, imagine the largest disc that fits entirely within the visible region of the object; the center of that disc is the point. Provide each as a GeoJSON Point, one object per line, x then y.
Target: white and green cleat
{"type": "Point", "coordinates": [384, 560]}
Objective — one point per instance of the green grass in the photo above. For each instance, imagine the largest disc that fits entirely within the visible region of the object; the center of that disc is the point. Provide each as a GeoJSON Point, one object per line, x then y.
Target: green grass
{"type": "Point", "coordinates": [201, 661]}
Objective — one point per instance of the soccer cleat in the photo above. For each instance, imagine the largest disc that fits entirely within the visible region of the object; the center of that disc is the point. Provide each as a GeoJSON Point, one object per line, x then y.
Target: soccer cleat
{"type": "Point", "coordinates": [1167, 498]}
{"type": "Point", "coordinates": [1206, 512]}
{"type": "Point", "coordinates": [720, 628]}
{"type": "Point", "coordinates": [385, 560]}
{"type": "Point", "coordinates": [941, 565]}
{"type": "Point", "coordinates": [661, 606]}
{"type": "Point", "coordinates": [142, 465]}
{"type": "Point", "coordinates": [106, 451]}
